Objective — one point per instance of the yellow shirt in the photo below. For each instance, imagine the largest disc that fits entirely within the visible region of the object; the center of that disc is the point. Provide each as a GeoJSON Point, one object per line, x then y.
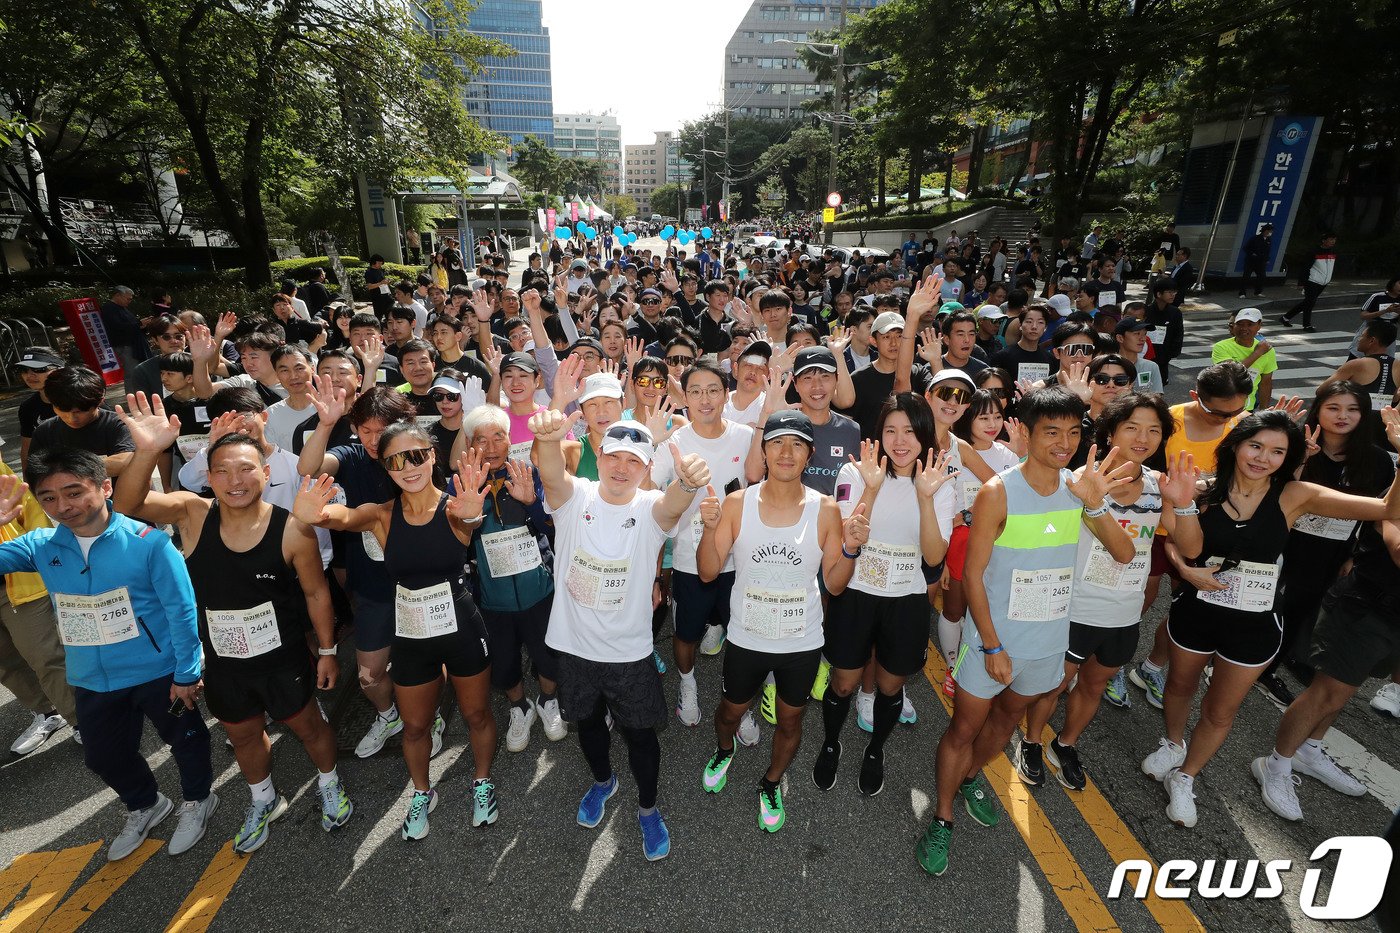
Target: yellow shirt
{"type": "Point", "coordinates": [24, 588]}
{"type": "Point", "coordinates": [1203, 451]}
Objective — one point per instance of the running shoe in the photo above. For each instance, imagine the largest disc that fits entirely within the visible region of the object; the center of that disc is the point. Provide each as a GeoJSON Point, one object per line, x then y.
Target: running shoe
{"type": "Point", "coordinates": [712, 641]}
{"type": "Point", "coordinates": [518, 733]}
{"type": "Point", "coordinates": [688, 702]}
{"type": "Point", "coordinates": [1387, 700]}
{"type": "Point", "coordinates": [771, 815]}
{"type": "Point", "coordinates": [552, 720]}
{"type": "Point", "coordinates": [907, 714]}
{"type": "Point", "coordinates": [1278, 790]}
{"type": "Point", "coordinates": [139, 824]}
{"type": "Point", "coordinates": [380, 731]}
{"type": "Point", "coordinates": [1320, 766]}
{"type": "Point", "coordinates": [656, 838]}
{"type": "Point", "coordinates": [950, 686]}
{"type": "Point", "coordinates": [439, 727]}
{"type": "Point", "coordinates": [979, 805]}
{"type": "Point", "coordinates": [1273, 687]}
{"type": "Point", "coordinates": [717, 771]}
{"type": "Point", "coordinates": [1181, 799]}
{"type": "Point", "coordinates": [1309, 329]}
{"type": "Point", "coordinates": [823, 678]}
{"type": "Point", "coordinates": [748, 734]}
{"type": "Point", "coordinates": [1164, 760]}
{"type": "Point", "coordinates": [656, 660]}
{"type": "Point", "coordinates": [1064, 759]}
{"type": "Point", "coordinates": [415, 824]}
{"type": "Point", "coordinates": [193, 819]}
{"type": "Point", "coordinates": [824, 771]}
{"type": "Point", "coordinates": [1030, 767]}
{"type": "Point", "coordinates": [872, 772]}
{"type": "Point", "coordinates": [1283, 319]}
{"type": "Point", "coordinates": [1154, 682]}
{"type": "Point", "coordinates": [932, 850]}
{"type": "Point", "coordinates": [1116, 693]}
{"type": "Point", "coordinates": [768, 704]}
{"type": "Point", "coordinates": [594, 803]}
{"type": "Point", "coordinates": [865, 710]}
{"type": "Point", "coordinates": [484, 810]}
{"type": "Point", "coordinates": [336, 805]}
{"type": "Point", "coordinates": [37, 733]}
{"type": "Point", "coordinates": [253, 834]}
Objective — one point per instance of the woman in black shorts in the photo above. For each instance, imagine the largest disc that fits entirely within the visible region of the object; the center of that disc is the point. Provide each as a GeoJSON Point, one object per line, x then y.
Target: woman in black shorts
{"type": "Point", "coordinates": [425, 535]}
{"type": "Point", "coordinates": [1224, 612]}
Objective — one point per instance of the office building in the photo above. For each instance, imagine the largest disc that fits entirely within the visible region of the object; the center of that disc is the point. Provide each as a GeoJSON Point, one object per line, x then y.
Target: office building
{"type": "Point", "coordinates": [592, 136]}
{"type": "Point", "coordinates": [650, 165]}
{"type": "Point", "coordinates": [513, 96]}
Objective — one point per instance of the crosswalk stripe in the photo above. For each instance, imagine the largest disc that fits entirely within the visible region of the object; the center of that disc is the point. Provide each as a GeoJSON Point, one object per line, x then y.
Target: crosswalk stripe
{"type": "Point", "coordinates": [79, 907]}
{"type": "Point", "coordinates": [1382, 781]}
{"type": "Point", "coordinates": [47, 887]}
{"type": "Point", "coordinates": [199, 908]}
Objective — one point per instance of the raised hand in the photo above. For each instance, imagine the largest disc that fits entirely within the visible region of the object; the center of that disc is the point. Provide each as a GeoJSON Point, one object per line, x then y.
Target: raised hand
{"type": "Point", "coordinates": [328, 400]}
{"type": "Point", "coordinates": [471, 482]}
{"type": "Point", "coordinates": [839, 340]}
{"type": "Point", "coordinates": [224, 326]}
{"type": "Point", "coordinates": [783, 362]}
{"type": "Point", "coordinates": [150, 429]}
{"type": "Point", "coordinates": [230, 422]}
{"type": "Point", "coordinates": [481, 306]}
{"type": "Point", "coordinates": [551, 426]}
{"type": "Point", "coordinates": [1016, 438]}
{"type": "Point", "coordinates": [1292, 404]}
{"type": "Point", "coordinates": [776, 397]}
{"type": "Point", "coordinates": [610, 366]}
{"type": "Point", "coordinates": [473, 395]}
{"type": "Point", "coordinates": [931, 475]}
{"type": "Point", "coordinates": [372, 355]}
{"type": "Point", "coordinates": [12, 492]}
{"type": "Point", "coordinates": [710, 508]}
{"type": "Point", "coordinates": [491, 356]}
{"type": "Point", "coordinates": [568, 380]}
{"type": "Point", "coordinates": [1310, 436]}
{"type": "Point", "coordinates": [924, 299]}
{"type": "Point", "coordinates": [871, 465]}
{"type": "Point", "coordinates": [202, 345]}
{"type": "Point", "coordinates": [561, 293]}
{"type": "Point", "coordinates": [635, 349]}
{"type": "Point", "coordinates": [661, 421]}
{"type": "Point", "coordinates": [932, 346]}
{"type": "Point", "coordinates": [313, 495]}
{"type": "Point", "coordinates": [669, 280]}
{"type": "Point", "coordinates": [1391, 418]}
{"type": "Point", "coordinates": [691, 469]}
{"type": "Point", "coordinates": [1178, 486]}
{"type": "Point", "coordinates": [1097, 480]}
{"type": "Point", "coordinates": [855, 531]}
{"type": "Point", "coordinates": [1074, 376]}
{"type": "Point", "coordinates": [520, 481]}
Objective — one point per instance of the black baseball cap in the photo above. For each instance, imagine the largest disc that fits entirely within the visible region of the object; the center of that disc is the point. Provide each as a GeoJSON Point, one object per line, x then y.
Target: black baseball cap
{"type": "Point", "coordinates": [789, 421]}
{"type": "Point", "coordinates": [1130, 324]}
{"type": "Point", "coordinates": [519, 360]}
{"type": "Point", "coordinates": [813, 358]}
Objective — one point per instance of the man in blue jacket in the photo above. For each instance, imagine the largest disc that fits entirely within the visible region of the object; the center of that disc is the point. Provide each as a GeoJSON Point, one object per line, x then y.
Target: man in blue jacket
{"type": "Point", "coordinates": [126, 615]}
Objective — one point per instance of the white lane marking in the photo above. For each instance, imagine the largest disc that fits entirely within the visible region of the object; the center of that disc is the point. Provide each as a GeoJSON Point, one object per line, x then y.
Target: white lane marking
{"type": "Point", "coordinates": [1382, 781]}
{"type": "Point", "coordinates": [600, 854]}
{"type": "Point", "coordinates": [918, 801]}
{"type": "Point", "coordinates": [1030, 903]}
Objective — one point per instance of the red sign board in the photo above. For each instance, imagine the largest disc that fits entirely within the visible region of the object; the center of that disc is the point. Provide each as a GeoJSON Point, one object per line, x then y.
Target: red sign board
{"type": "Point", "coordinates": [85, 320]}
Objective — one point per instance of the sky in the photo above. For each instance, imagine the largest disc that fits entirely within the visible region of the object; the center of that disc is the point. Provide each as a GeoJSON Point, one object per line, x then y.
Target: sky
{"type": "Point", "coordinates": [633, 42]}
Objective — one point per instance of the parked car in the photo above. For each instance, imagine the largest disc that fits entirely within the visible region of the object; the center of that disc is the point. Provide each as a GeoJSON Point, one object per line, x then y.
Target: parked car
{"type": "Point", "coordinates": [844, 253]}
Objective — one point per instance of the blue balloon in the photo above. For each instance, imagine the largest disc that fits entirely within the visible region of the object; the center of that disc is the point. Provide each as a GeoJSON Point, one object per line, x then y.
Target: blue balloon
{"type": "Point", "coordinates": [683, 238]}
{"type": "Point", "coordinates": [617, 233]}
{"type": "Point", "coordinates": [590, 233]}
{"type": "Point", "coordinates": [631, 238]}
{"type": "Point", "coordinates": [562, 233]}
{"type": "Point", "coordinates": [667, 232]}
{"type": "Point", "coordinates": [706, 232]}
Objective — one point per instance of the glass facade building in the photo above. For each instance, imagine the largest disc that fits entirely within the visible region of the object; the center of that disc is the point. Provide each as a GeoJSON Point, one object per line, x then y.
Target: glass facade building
{"type": "Point", "coordinates": [513, 96]}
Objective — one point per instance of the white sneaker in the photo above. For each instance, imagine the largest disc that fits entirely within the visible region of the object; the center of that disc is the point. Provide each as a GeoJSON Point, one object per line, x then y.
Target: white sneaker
{"type": "Point", "coordinates": [139, 824]}
{"type": "Point", "coordinates": [713, 640]}
{"type": "Point", "coordinates": [379, 732]}
{"type": "Point", "coordinates": [1166, 758]}
{"type": "Point", "coordinates": [439, 727]}
{"type": "Point", "coordinates": [77, 737]}
{"type": "Point", "coordinates": [1317, 764]}
{"type": "Point", "coordinates": [748, 734]}
{"type": "Point", "coordinates": [518, 735]}
{"type": "Point", "coordinates": [688, 704]}
{"type": "Point", "coordinates": [865, 710]}
{"type": "Point", "coordinates": [907, 714]}
{"type": "Point", "coordinates": [1278, 789]}
{"type": "Point", "coordinates": [1181, 800]}
{"type": "Point", "coordinates": [194, 820]}
{"type": "Point", "coordinates": [555, 728]}
{"type": "Point", "coordinates": [1387, 700]}
{"type": "Point", "coordinates": [37, 733]}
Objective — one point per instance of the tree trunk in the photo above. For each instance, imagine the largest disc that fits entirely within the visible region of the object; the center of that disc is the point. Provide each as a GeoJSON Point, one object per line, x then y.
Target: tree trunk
{"type": "Point", "coordinates": [880, 184]}
{"type": "Point", "coordinates": [1019, 167]}
{"type": "Point", "coordinates": [254, 246]}
{"type": "Point", "coordinates": [916, 164]}
{"type": "Point", "coordinates": [976, 156]}
{"type": "Point", "coordinates": [1390, 178]}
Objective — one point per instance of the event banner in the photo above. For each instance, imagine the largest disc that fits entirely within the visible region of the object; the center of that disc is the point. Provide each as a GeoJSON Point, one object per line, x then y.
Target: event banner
{"type": "Point", "coordinates": [84, 318]}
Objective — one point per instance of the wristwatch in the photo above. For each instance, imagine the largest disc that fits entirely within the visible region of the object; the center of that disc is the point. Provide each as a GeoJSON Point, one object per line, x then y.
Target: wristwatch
{"type": "Point", "coordinates": [327, 652]}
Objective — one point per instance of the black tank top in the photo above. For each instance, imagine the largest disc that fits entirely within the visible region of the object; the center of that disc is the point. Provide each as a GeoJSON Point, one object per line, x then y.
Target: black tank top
{"type": "Point", "coordinates": [1381, 385]}
{"type": "Point", "coordinates": [1260, 540]}
{"type": "Point", "coordinates": [416, 556]}
{"type": "Point", "coordinates": [1374, 568]}
{"type": "Point", "coordinates": [225, 579]}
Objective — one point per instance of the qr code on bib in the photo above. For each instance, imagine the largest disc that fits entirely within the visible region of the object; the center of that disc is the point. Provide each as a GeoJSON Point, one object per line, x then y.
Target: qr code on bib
{"type": "Point", "coordinates": [583, 588]}
{"type": "Point", "coordinates": [1230, 596]}
{"type": "Point", "coordinates": [229, 642]}
{"type": "Point", "coordinates": [81, 629]}
{"type": "Point", "coordinates": [875, 571]}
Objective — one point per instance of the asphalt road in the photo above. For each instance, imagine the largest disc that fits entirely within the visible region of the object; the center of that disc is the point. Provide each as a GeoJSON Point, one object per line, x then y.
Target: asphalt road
{"type": "Point", "coordinates": [841, 862]}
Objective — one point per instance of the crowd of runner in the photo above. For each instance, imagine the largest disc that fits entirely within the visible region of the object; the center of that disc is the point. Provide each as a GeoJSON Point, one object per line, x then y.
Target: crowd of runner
{"type": "Point", "coordinates": [817, 464]}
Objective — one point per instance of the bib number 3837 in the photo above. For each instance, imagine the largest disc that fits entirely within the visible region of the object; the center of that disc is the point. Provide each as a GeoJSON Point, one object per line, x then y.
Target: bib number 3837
{"type": "Point", "coordinates": [597, 584]}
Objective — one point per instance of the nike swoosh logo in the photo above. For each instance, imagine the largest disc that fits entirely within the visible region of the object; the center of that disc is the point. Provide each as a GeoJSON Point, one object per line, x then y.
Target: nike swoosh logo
{"type": "Point", "coordinates": [277, 484]}
{"type": "Point", "coordinates": [712, 780]}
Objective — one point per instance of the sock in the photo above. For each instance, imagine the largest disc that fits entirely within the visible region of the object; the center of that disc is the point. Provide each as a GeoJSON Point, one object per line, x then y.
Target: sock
{"type": "Point", "coordinates": [949, 638]}
{"type": "Point", "coordinates": [327, 778]}
{"type": "Point", "coordinates": [1058, 744]}
{"type": "Point", "coordinates": [968, 782]}
{"type": "Point", "coordinates": [1280, 765]}
{"type": "Point", "coordinates": [1313, 745]}
{"type": "Point", "coordinates": [390, 714]}
{"type": "Point", "coordinates": [887, 708]}
{"type": "Point", "coordinates": [646, 811]}
{"type": "Point", "coordinates": [545, 697]}
{"type": "Point", "coordinates": [834, 711]}
{"type": "Point", "coordinates": [722, 753]}
{"type": "Point", "coordinates": [1151, 668]}
{"type": "Point", "coordinates": [1026, 741]}
{"type": "Point", "coordinates": [767, 785]}
{"type": "Point", "coordinates": [688, 676]}
{"type": "Point", "coordinates": [262, 791]}
{"type": "Point", "coordinates": [522, 704]}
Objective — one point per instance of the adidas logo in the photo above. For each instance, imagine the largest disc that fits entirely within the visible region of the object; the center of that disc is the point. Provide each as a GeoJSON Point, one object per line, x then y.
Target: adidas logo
{"type": "Point", "coordinates": [1050, 528]}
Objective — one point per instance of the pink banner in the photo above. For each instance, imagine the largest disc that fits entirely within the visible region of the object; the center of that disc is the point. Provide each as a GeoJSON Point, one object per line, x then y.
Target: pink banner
{"type": "Point", "coordinates": [551, 216]}
{"type": "Point", "coordinates": [573, 211]}
{"type": "Point", "coordinates": [590, 213]}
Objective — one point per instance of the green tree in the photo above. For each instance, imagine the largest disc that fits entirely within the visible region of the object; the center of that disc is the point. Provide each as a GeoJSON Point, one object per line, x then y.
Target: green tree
{"type": "Point", "coordinates": [538, 166]}
{"type": "Point", "coordinates": [666, 200]}
{"type": "Point", "coordinates": [620, 205]}
{"type": "Point", "coordinates": [748, 141]}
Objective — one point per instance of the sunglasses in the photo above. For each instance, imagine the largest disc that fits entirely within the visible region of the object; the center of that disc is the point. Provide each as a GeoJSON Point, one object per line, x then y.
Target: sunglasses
{"type": "Point", "coordinates": [636, 435]}
{"type": "Point", "coordinates": [650, 382]}
{"type": "Point", "coordinates": [1103, 379]}
{"type": "Point", "coordinates": [680, 360]}
{"type": "Point", "coordinates": [955, 394]}
{"type": "Point", "coordinates": [998, 393]}
{"type": "Point", "coordinates": [443, 396]}
{"type": "Point", "coordinates": [651, 301]}
{"type": "Point", "coordinates": [1220, 414]}
{"type": "Point", "coordinates": [407, 458]}
{"type": "Point", "coordinates": [1078, 349]}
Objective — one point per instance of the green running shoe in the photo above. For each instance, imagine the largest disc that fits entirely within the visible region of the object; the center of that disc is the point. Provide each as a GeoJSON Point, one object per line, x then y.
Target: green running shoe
{"type": "Point", "coordinates": [823, 678]}
{"type": "Point", "coordinates": [768, 705]}
{"type": "Point", "coordinates": [1116, 692]}
{"type": "Point", "coordinates": [484, 810]}
{"type": "Point", "coordinates": [254, 832]}
{"type": "Point", "coordinates": [932, 850]}
{"type": "Point", "coordinates": [979, 805]}
{"type": "Point", "coordinates": [771, 814]}
{"type": "Point", "coordinates": [717, 771]}
{"type": "Point", "coordinates": [335, 805]}
{"type": "Point", "coordinates": [415, 824]}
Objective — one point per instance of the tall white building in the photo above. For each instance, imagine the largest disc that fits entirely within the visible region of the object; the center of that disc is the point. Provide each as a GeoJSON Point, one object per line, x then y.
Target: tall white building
{"type": "Point", "coordinates": [592, 136]}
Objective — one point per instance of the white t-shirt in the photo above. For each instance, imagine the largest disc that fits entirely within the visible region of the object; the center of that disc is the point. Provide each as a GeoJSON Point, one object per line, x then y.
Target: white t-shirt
{"type": "Point", "coordinates": [604, 567]}
{"type": "Point", "coordinates": [299, 309]}
{"type": "Point", "coordinates": [245, 381]}
{"type": "Point", "coordinates": [283, 420]}
{"type": "Point", "coordinates": [725, 457]}
{"type": "Point", "coordinates": [891, 562]}
{"type": "Point", "coordinates": [747, 415]}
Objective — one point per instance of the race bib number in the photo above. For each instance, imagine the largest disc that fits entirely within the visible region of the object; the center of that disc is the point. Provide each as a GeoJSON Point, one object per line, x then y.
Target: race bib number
{"type": "Point", "coordinates": [243, 633]}
{"type": "Point", "coordinates": [371, 545]}
{"type": "Point", "coordinates": [427, 421]}
{"type": "Point", "coordinates": [425, 613]}
{"type": "Point", "coordinates": [201, 414]}
{"type": "Point", "coordinates": [775, 614]}
{"type": "Point", "coordinates": [597, 584]}
{"type": "Point", "coordinates": [520, 451]}
{"type": "Point", "coordinates": [88, 621]}
{"type": "Point", "coordinates": [511, 552]}
{"type": "Point", "coordinates": [1102, 570]}
{"type": "Point", "coordinates": [1032, 371]}
{"type": "Point", "coordinates": [1248, 588]}
{"type": "Point", "coordinates": [384, 288]}
{"type": "Point", "coordinates": [888, 568]}
{"type": "Point", "coordinates": [1380, 400]}
{"type": "Point", "coordinates": [1040, 595]}
{"type": "Point", "coordinates": [1333, 529]}
{"type": "Point", "coordinates": [190, 445]}
{"type": "Point", "coordinates": [967, 491]}
{"type": "Point", "coordinates": [697, 529]}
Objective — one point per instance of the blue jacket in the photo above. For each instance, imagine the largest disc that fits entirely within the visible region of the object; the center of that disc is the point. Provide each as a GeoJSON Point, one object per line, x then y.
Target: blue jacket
{"type": "Point", "coordinates": [142, 559]}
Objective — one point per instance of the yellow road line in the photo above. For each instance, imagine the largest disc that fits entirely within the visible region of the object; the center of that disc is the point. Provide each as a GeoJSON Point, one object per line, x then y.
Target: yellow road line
{"type": "Point", "coordinates": [47, 888]}
{"type": "Point", "coordinates": [20, 872]}
{"type": "Point", "coordinates": [1085, 908]}
{"type": "Point", "coordinates": [198, 910]}
{"type": "Point", "coordinates": [84, 902]}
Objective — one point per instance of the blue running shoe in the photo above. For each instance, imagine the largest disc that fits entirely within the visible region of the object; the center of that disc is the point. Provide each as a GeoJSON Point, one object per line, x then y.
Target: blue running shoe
{"type": "Point", "coordinates": [590, 808]}
{"type": "Point", "coordinates": [656, 838]}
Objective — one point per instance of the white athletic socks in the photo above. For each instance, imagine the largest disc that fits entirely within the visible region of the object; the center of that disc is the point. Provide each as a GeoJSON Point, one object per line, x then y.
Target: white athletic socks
{"type": "Point", "coordinates": [1280, 765]}
{"type": "Point", "coordinates": [327, 778]}
{"type": "Point", "coordinates": [949, 638]}
{"type": "Point", "coordinates": [262, 791]}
